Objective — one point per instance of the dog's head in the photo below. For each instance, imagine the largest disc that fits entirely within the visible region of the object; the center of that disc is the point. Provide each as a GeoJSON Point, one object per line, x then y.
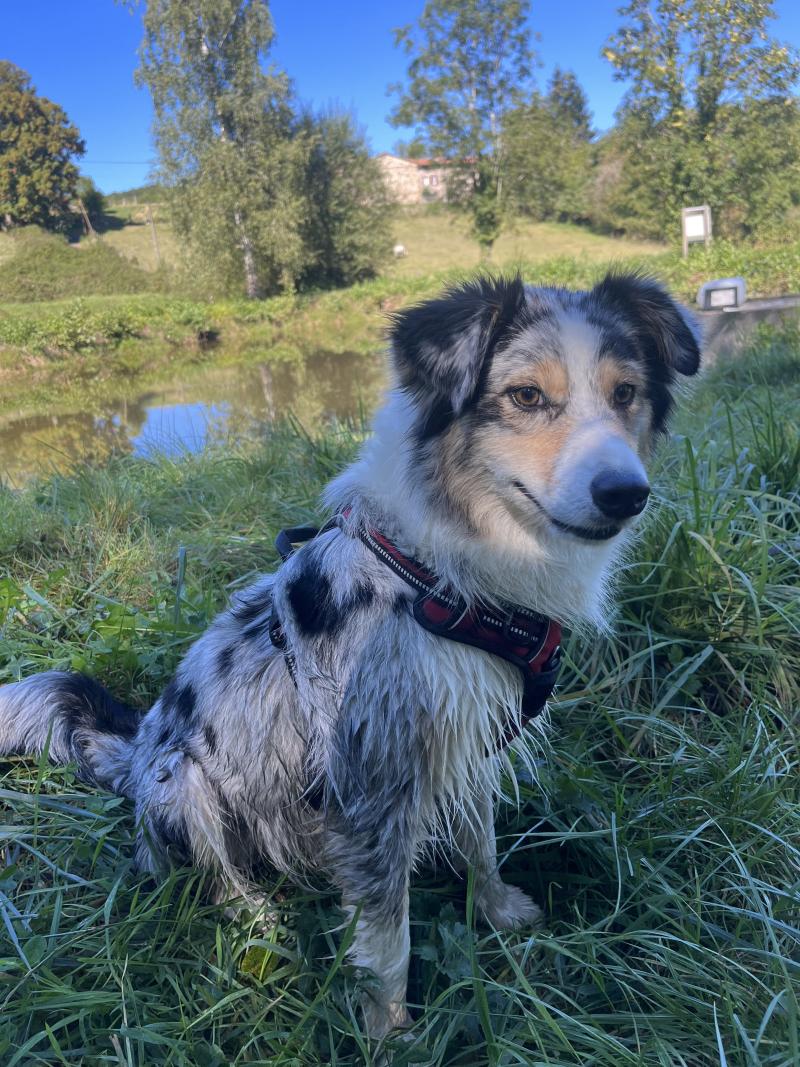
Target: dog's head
{"type": "Point", "coordinates": [544, 401]}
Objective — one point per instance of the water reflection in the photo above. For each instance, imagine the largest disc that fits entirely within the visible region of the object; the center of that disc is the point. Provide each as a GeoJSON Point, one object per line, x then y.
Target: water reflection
{"type": "Point", "coordinates": [198, 407]}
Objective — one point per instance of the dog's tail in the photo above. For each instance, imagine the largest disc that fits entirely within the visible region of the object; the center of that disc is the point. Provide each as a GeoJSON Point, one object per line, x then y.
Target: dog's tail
{"type": "Point", "coordinates": [75, 720]}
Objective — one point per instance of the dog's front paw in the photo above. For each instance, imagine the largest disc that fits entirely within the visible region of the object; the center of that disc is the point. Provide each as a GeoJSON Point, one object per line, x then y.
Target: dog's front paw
{"type": "Point", "coordinates": [505, 907]}
{"type": "Point", "coordinates": [383, 1019]}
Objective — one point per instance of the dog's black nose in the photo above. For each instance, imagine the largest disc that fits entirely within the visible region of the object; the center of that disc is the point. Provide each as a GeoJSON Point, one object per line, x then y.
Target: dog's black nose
{"type": "Point", "coordinates": [618, 495]}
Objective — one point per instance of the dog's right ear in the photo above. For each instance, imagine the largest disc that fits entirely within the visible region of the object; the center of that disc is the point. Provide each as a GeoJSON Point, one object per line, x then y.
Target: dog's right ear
{"type": "Point", "coordinates": [667, 331]}
{"type": "Point", "coordinates": [443, 347]}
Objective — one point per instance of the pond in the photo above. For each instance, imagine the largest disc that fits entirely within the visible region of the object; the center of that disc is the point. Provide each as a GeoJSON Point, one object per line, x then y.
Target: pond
{"type": "Point", "coordinates": [199, 406]}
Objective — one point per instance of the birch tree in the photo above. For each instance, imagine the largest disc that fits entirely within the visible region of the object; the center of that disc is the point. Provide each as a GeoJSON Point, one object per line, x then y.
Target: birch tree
{"type": "Point", "coordinates": [227, 142]}
{"type": "Point", "coordinates": [470, 62]}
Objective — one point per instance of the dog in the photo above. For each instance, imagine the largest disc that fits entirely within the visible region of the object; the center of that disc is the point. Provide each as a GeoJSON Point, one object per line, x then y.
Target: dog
{"type": "Point", "coordinates": [329, 720]}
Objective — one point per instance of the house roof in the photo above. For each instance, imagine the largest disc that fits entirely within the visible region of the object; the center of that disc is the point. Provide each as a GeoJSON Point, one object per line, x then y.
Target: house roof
{"type": "Point", "coordinates": [432, 161]}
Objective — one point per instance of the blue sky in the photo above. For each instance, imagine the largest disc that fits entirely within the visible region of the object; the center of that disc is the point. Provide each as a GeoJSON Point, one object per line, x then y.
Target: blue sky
{"type": "Point", "coordinates": [82, 54]}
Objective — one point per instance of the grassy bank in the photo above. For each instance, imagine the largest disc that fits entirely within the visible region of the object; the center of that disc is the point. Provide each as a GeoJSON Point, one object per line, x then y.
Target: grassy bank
{"type": "Point", "coordinates": [663, 844]}
{"type": "Point", "coordinates": [53, 352]}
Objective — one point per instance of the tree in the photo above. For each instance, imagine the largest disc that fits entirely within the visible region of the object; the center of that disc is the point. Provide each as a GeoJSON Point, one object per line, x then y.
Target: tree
{"type": "Point", "coordinates": [698, 55]}
{"type": "Point", "coordinates": [469, 64]}
{"type": "Point", "coordinates": [93, 201]}
{"type": "Point", "coordinates": [37, 146]}
{"type": "Point", "coordinates": [412, 149]}
{"type": "Point", "coordinates": [267, 198]}
{"type": "Point", "coordinates": [547, 153]}
{"type": "Point", "coordinates": [569, 105]}
{"type": "Point", "coordinates": [227, 138]}
{"type": "Point", "coordinates": [699, 71]}
{"type": "Point", "coordinates": [346, 229]}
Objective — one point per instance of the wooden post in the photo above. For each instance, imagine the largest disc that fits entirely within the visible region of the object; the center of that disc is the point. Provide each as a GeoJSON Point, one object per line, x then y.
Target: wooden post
{"type": "Point", "coordinates": [152, 222]}
{"type": "Point", "coordinates": [90, 232]}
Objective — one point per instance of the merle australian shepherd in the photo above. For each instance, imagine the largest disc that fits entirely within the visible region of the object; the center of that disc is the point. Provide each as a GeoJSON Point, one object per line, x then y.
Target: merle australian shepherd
{"type": "Point", "coordinates": [326, 722]}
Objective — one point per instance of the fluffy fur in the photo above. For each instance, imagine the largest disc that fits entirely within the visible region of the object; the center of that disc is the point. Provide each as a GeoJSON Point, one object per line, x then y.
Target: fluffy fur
{"type": "Point", "coordinates": [509, 458]}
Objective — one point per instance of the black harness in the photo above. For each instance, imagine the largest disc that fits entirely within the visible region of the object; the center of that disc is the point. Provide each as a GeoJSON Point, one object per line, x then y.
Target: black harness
{"type": "Point", "coordinates": [531, 642]}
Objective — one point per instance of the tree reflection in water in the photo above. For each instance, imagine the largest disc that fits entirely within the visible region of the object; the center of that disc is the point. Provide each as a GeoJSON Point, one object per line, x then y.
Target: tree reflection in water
{"type": "Point", "coordinates": [199, 407]}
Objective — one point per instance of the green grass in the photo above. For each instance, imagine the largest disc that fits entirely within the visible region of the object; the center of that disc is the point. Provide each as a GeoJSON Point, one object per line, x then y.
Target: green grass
{"type": "Point", "coordinates": [439, 240]}
{"type": "Point", "coordinates": [37, 266]}
{"type": "Point", "coordinates": [127, 229]}
{"type": "Point", "coordinates": [436, 240]}
{"type": "Point", "coordinates": [664, 842]}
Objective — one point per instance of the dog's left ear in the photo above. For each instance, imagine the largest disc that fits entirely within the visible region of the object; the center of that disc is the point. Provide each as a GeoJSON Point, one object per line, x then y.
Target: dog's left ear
{"type": "Point", "coordinates": [666, 331]}
{"type": "Point", "coordinates": [442, 347]}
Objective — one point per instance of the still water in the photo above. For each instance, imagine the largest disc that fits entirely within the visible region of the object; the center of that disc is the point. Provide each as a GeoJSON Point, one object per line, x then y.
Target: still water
{"type": "Point", "coordinates": [198, 407]}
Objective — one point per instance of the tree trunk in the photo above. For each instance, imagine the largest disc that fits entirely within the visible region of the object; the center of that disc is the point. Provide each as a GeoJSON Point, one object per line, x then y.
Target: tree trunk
{"type": "Point", "coordinates": [252, 282]}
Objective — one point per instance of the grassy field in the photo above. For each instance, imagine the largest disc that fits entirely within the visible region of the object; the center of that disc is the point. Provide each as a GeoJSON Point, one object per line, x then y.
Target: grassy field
{"type": "Point", "coordinates": [663, 840]}
{"type": "Point", "coordinates": [440, 241]}
{"type": "Point", "coordinates": [130, 233]}
{"type": "Point", "coordinates": [434, 240]}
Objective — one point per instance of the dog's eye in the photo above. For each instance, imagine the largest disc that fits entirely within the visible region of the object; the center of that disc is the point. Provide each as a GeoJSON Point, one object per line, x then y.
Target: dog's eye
{"type": "Point", "coordinates": [528, 397]}
{"type": "Point", "coordinates": [624, 394]}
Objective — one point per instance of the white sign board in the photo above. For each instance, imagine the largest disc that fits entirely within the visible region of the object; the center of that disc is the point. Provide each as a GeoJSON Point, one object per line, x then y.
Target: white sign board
{"type": "Point", "coordinates": [696, 226]}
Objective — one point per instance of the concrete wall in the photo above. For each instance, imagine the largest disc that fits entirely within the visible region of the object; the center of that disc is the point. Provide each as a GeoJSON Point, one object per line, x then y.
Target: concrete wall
{"type": "Point", "coordinates": [726, 333]}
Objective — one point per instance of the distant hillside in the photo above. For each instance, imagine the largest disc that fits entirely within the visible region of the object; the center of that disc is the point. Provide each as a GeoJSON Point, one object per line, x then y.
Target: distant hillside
{"type": "Point", "coordinates": [143, 194]}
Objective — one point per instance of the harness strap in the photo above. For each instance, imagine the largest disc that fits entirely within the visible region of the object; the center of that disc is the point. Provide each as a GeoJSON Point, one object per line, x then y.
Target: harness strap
{"type": "Point", "coordinates": [524, 638]}
{"type": "Point", "coordinates": [297, 535]}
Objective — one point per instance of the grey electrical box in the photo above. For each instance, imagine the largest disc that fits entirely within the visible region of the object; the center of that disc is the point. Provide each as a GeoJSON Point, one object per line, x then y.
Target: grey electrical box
{"type": "Point", "coordinates": [722, 294]}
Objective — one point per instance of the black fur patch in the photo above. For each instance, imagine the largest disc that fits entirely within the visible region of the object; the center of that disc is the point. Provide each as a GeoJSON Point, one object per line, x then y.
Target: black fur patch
{"type": "Point", "coordinates": [169, 838]}
{"type": "Point", "coordinates": [311, 603]}
{"type": "Point", "coordinates": [314, 609]}
{"type": "Point", "coordinates": [164, 736]}
{"type": "Point", "coordinates": [401, 605]}
{"type": "Point", "coordinates": [210, 738]}
{"type": "Point", "coordinates": [85, 704]}
{"type": "Point", "coordinates": [436, 418]}
{"type": "Point", "coordinates": [180, 699]}
{"type": "Point", "coordinates": [225, 660]}
{"type": "Point", "coordinates": [665, 343]}
{"type": "Point", "coordinates": [443, 348]}
{"type": "Point", "coordinates": [248, 611]}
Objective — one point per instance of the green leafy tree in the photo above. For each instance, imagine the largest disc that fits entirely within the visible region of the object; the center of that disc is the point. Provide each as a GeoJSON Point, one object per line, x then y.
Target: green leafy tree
{"type": "Point", "coordinates": [37, 146]}
{"type": "Point", "coordinates": [92, 199]}
{"type": "Point", "coordinates": [411, 149]}
{"type": "Point", "coordinates": [227, 139]}
{"type": "Point", "coordinates": [470, 63]}
{"type": "Point", "coordinates": [703, 74]}
{"type": "Point", "coordinates": [547, 153]}
{"type": "Point", "coordinates": [568, 104]}
{"type": "Point", "coordinates": [346, 229]}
